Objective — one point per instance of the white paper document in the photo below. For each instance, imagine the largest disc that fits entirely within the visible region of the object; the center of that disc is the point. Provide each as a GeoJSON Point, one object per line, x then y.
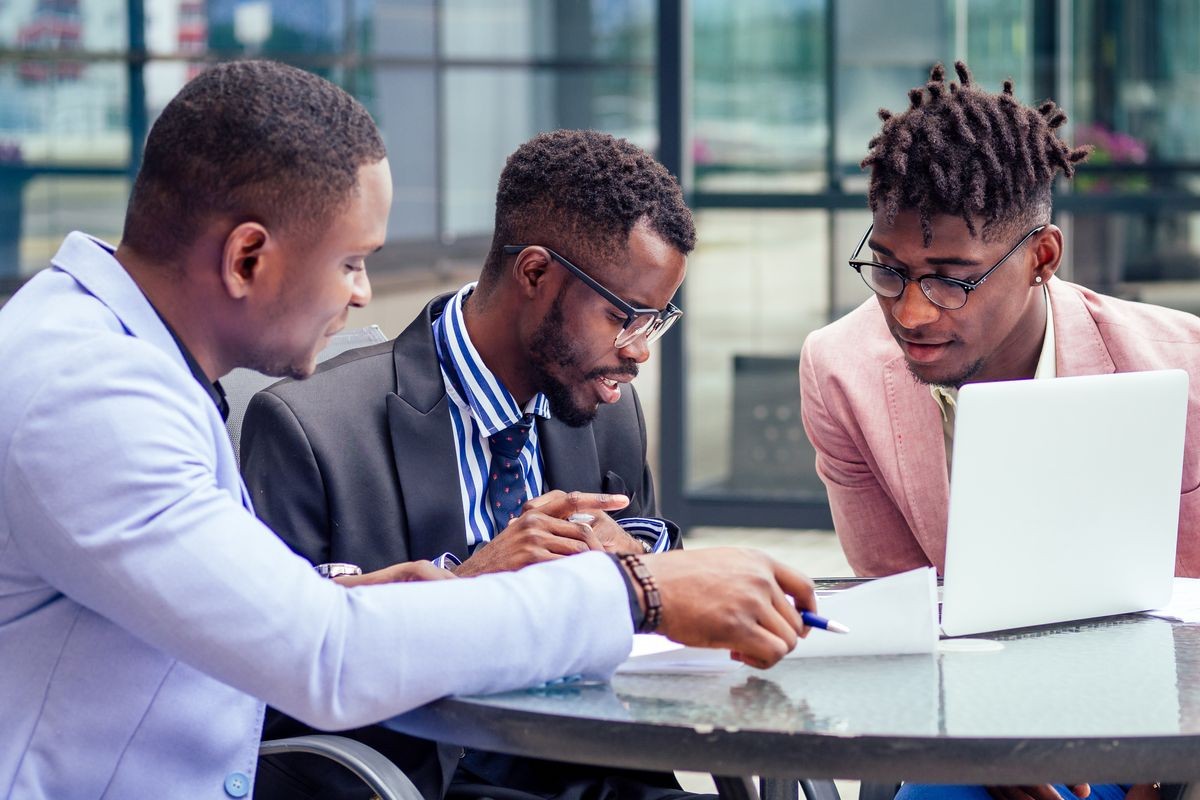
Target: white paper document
{"type": "Point", "coordinates": [1185, 601]}
{"type": "Point", "coordinates": [653, 653]}
{"type": "Point", "coordinates": [889, 616]}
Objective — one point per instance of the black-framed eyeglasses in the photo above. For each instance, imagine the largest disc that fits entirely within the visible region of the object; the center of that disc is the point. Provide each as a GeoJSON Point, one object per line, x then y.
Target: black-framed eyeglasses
{"type": "Point", "coordinates": [649, 322]}
{"type": "Point", "coordinates": [944, 292]}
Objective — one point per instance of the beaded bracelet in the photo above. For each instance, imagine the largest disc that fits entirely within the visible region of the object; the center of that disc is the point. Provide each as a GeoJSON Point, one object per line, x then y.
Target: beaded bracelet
{"type": "Point", "coordinates": [642, 575]}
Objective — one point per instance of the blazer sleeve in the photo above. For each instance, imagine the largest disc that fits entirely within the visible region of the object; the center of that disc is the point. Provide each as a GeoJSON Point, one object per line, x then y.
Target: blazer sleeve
{"type": "Point", "coordinates": [110, 494]}
{"type": "Point", "coordinates": [274, 445]}
{"type": "Point", "coordinates": [873, 532]}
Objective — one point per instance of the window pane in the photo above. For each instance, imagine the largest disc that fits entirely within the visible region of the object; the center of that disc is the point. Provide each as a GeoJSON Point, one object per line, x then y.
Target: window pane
{"type": "Point", "coordinates": [56, 112]}
{"type": "Point", "coordinates": [885, 50]}
{"type": "Point", "coordinates": [620, 31]}
{"type": "Point", "coordinates": [94, 26]}
{"type": "Point", "coordinates": [1136, 80]}
{"type": "Point", "coordinates": [489, 112]}
{"type": "Point", "coordinates": [176, 27]}
{"type": "Point", "coordinates": [756, 286]}
{"type": "Point", "coordinates": [759, 95]}
{"type": "Point", "coordinates": [277, 27]}
{"type": "Point", "coordinates": [38, 212]}
{"type": "Point", "coordinates": [1152, 256]}
{"type": "Point", "coordinates": [399, 28]}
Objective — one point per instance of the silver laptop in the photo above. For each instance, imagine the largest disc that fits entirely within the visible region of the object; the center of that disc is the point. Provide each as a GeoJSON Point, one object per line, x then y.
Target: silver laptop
{"type": "Point", "coordinates": [1064, 499]}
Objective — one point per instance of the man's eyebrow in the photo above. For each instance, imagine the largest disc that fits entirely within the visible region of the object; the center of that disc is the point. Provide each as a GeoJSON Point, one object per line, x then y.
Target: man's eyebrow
{"type": "Point", "coordinates": [945, 261]}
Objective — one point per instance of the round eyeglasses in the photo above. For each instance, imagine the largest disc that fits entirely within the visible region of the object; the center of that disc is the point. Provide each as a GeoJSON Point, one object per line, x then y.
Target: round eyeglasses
{"type": "Point", "coordinates": [944, 292]}
{"type": "Point", "coordinates": [649, 322]}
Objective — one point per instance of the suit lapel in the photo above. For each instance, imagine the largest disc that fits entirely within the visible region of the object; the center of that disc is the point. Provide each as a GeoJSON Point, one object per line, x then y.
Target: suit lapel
{"type": "Point", "coordinates": [1079, 348]}
{"type": "Point", "coordinates": [569, 457]}
{"type": "Point", "coordinates": [920, 458]}
{"type": "Point", "coordinates": [423, 444]}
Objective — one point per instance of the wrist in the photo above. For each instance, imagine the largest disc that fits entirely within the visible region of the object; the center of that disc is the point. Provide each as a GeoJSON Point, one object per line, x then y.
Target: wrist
{"type": "Point", "coordinates": [647, 592]}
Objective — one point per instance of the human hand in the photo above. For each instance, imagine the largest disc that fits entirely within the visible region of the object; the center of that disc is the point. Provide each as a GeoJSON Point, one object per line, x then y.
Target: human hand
{"type": "Point", "coordinates": [398, 573]}
{"type": "Point", "coordinates": [733, 598]}
{"type": "Point", "coordinates": [1044, 791]}
{"type": "Point", "coordinates": [611, 535]}
{"type": "Point", "coordinates": [542, 533]}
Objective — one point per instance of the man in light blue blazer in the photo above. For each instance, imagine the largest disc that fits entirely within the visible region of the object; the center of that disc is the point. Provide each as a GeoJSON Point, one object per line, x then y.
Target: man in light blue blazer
{"type": "Point", "coordinates": [145, 615]}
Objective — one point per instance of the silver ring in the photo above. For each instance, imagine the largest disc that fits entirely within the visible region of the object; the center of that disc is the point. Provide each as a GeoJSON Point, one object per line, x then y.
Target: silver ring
{"type": "Point", "coordinates": [336, 570]}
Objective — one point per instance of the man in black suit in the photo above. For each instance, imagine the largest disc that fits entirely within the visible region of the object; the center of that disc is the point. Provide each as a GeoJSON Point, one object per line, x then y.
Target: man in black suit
{"type": "Point", "coordinates": [395, 452]}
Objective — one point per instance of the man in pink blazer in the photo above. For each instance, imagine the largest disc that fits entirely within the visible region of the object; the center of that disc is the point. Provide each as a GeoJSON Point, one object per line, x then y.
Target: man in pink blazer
{"type": "Point", "coordinates": [961, 257]}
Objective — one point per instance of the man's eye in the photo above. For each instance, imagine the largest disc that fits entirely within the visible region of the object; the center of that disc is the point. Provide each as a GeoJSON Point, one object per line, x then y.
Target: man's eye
{"type": "Point", "coordinates": [615, 317]}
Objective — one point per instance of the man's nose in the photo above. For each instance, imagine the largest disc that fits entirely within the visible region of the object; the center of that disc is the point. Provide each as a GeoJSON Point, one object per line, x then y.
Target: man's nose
{"type": "Point", "coordinates": [362, 290]}
{"type": "Point", "coordinates": [912, 308]}
{"type": "Point", "coordinates": [638, 350]}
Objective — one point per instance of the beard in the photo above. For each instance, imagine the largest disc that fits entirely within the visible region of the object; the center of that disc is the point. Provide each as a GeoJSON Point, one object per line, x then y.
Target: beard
{"type": "Point", "coordinates": [949, 381]}
{"type": "Point", "coordinates": [552, 351]}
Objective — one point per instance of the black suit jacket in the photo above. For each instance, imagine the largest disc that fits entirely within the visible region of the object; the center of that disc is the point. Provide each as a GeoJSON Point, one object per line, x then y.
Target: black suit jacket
{"type": "Point", "coordinates": [357, 464]}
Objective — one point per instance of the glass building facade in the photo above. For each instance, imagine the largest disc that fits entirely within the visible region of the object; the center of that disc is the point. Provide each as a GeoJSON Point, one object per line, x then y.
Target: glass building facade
{"type": "Point", "coordinates": [763, 107]}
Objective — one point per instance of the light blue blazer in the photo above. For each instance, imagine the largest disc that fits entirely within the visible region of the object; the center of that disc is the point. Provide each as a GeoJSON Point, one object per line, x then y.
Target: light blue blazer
{"type": "Point", "coordinates": [145, 615]}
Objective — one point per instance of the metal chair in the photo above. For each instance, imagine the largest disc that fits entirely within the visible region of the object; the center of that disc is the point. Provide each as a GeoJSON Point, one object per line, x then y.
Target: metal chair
{"type": "Point", "coordinates": [373, 768]}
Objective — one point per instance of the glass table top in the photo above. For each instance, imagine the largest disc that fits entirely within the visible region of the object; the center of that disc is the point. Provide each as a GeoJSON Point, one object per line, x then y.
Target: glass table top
{"type": "Point", "coordinates": [1115, 699]}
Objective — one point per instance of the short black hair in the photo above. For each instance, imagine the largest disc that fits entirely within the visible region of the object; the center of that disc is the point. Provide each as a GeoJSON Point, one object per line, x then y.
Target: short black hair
{"type": "Point", "coordinates": [965, 152]}
{"type": "Point", "coordinates": [580, 193]}
{"type": "Point", "coordinates": [247, 140]}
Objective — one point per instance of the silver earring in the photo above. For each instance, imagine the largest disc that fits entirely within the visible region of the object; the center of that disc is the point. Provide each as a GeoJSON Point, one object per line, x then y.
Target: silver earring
{"type": "Point", "coordinates": [1038, 279]}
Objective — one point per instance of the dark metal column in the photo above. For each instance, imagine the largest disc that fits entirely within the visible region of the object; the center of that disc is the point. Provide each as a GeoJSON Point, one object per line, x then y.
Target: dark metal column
{"type": "Point", "coordinates": [674, 67]}
{"type": "Point", "coordinates": [139, 118]}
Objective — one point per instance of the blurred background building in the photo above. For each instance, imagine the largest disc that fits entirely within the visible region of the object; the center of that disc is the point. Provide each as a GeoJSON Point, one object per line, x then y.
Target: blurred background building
{"type": "Point", "coordinates": [763, 107]}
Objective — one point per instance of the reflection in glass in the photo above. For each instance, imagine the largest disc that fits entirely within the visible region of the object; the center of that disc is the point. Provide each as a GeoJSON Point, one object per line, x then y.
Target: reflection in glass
{"type": "Point", "coordinates": [94, 26]}
{"type": "Point", "coordinates": [759, 95]}
{"type": "Point", "coordinates": [883, 53]}
{"type": "Point", "coordinates": [618, 31]}
{"type": "Point", "coordinates": [489, 112]}
{"type": "Point", "coordinates": [759, 284]}
{"type": "Point", "coordinates": [51, 116]}
{"type": "Point", "coordinates": [54, 205]}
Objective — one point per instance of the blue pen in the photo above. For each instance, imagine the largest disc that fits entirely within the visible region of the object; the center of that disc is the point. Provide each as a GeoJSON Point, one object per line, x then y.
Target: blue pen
{"type": "Point", "coordinates": [817, 621]}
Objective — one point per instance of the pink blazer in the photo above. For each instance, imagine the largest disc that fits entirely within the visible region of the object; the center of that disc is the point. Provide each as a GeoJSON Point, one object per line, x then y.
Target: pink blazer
{"type": "Point", "coordinates": [878, 433]}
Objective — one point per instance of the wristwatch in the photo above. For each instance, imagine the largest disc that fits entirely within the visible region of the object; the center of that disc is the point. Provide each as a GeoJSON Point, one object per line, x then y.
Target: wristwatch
{"type": "Point", "coordinates": [337, 570]}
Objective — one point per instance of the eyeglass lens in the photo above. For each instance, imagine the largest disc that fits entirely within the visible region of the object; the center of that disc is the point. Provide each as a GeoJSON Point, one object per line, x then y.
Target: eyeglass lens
{"type": "Point", "coordinates": [648, 324]}
{"type": "Point", "coordinates": [889, 284]}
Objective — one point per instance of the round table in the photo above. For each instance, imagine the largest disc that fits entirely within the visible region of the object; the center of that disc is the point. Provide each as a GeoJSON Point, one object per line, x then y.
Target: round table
{"type": "Point", "coordinates": [1111, 700]}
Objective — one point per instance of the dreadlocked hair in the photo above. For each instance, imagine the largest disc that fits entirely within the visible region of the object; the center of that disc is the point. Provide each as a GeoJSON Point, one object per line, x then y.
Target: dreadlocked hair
{"type": "Point", "coordinates": [966, 152]}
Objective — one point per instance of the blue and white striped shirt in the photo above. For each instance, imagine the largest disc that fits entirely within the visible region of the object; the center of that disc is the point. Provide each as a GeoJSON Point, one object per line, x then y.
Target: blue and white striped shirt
{"type": "Point", "coordinates": [481, 406]}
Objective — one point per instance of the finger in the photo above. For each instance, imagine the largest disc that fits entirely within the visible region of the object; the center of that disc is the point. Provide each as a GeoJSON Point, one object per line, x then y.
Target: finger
{"type": "Point", "coordinates": [797, 585]}
{"type": "Point", "coordinates": [745, 659]}
{"type": "Point", "coordinates": [1081, 790]}
{"type": "Point", "coordinates": [788, 613]}
{"type": "Point", "coordinates": [537, 502]}
{"type": "Point", "coordinates": [564, 505]}
{"type": "Point", "coordinates": [779, 626]}
{"type": "Point", "coordinates": [568, 530]}
{"type": "Point", "coordinates": [761, 648]}
{"type": "Point", "coordinates": [557, 535]}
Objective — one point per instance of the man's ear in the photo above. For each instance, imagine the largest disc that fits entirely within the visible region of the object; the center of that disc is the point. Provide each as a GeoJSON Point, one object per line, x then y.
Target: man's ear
{"type": "Point", "coordinates": [531, 271]}
{"type": "Point", "coordinates": [1047, 250]}
{"type": "Point", "coordinates": [242, 258]}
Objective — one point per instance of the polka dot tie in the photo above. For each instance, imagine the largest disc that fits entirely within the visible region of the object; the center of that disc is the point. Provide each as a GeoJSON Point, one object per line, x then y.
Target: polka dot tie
{"type": "Point", "coordinates": [506, 482]}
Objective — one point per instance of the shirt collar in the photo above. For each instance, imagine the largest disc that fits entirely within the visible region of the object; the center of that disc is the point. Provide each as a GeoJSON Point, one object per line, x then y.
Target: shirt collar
{"type": "Point", "coordinates": [1047, 365]}
{"type": "Point", "coordinates": [214, 389]}
{"type": "Point", "coordinates": [469, 379]}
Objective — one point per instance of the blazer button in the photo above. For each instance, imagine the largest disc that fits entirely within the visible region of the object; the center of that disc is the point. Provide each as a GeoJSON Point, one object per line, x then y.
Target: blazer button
{"type": "Point", "coordinates": [237, 784]}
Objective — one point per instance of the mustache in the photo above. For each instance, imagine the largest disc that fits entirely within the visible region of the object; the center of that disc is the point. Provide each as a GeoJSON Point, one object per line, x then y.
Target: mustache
{"type": "Point", "coordinates": [629, 368]}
